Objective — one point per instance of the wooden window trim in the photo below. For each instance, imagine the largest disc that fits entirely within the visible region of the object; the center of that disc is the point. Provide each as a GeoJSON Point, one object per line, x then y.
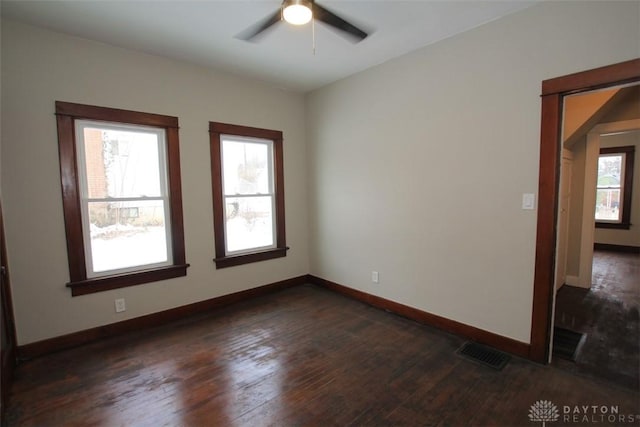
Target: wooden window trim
{"type": "Point", "coordinates": [625, 222]}
{"type": "Point", "coordinates": [66, 114]}
{"type": "Point", "coordinates": [223, 260]}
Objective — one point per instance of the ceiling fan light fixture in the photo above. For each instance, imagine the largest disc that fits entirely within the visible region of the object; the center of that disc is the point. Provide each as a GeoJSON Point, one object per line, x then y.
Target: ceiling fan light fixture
{"type": "Point", "coordinates": [297, 12]}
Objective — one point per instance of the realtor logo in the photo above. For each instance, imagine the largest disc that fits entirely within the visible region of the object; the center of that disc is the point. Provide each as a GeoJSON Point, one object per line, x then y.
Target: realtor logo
{"type": "Point", "coordinates": [543, 411]}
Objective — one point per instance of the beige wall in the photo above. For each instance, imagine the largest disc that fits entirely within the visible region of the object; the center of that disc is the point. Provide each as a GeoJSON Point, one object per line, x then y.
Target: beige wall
{"type": "Point", "coordinates": [629, 237]}
{"type": "Point", "coordinates": [39, 67]}
{"type": "Point", "coordinates": [417, 166]}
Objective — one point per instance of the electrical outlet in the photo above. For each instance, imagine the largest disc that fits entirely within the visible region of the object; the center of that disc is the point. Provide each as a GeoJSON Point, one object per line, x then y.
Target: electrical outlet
{"type": "Point", "coordinates": [120, 305]}
{"type": "Point", "coordinates": [375, 277]}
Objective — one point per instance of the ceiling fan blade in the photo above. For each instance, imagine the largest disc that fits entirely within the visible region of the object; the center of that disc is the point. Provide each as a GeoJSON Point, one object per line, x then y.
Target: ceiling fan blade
{"type": "Point", "coordinates": [253, 31]}
{"type": "Point", "coordinates": [330, 18]}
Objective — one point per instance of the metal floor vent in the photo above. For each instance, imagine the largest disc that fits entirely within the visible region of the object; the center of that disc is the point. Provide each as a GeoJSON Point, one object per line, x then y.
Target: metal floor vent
{"type": "Point", "coordinates": [567, 343]}
{"type": "Point", "coordinates": [484, 355]}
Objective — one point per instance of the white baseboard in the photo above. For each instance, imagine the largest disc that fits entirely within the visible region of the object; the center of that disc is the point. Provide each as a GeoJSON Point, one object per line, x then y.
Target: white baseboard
{"type": "Point", "coordinates": [575, 281]}
{"type": "Point", "coordinates": [572, 280]}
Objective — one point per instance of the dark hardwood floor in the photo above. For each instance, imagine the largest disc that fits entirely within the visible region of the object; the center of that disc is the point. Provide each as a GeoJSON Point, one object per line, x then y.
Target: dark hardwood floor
{"type": "Point", "coordinates": [302, 356]}
{"type": "Point", "coordinates": [609, 315]}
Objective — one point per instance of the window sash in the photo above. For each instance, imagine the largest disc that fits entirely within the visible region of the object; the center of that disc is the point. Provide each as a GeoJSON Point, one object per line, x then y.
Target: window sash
{"type": "Point", "coordinates": [85, 200]}
{"type": "Point", "coordinates": [605, 212]}
{"type": "Point", "coordinates": [248, 140]}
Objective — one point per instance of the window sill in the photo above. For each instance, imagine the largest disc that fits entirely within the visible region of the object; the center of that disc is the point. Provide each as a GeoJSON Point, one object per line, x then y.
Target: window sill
{"type": "Point", "coordinates": [100, 284]}
{"type": "Point", "coordinates": [615, 225]}
{"type": "Point", "coordinates": [230, 261]}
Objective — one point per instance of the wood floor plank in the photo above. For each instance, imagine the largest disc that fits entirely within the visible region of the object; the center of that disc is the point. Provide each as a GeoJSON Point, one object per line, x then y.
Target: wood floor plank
{"type": "Point", "coordinates": [302, 356]}
{"type": "Point", "coordinates": [608, 314]}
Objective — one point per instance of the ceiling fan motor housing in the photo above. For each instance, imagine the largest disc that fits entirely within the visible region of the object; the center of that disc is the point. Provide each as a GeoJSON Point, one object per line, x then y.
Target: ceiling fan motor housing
{"type": "Point", "coordinates": [297, 12]}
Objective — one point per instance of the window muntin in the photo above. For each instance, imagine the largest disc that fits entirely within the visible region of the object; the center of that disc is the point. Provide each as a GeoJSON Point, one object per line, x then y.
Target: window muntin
{"type": "Point", "coordinates": [124, 197]}
{"type": "Point", "coordinates": [609, 188]}
{"type": "Point", "coordinates": [247, 180]}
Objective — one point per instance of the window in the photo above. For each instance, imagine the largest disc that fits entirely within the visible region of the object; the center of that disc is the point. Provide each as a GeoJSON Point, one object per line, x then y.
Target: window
{"type": "Point", "coordinates": [122, 200]}
{"type": "Point", "coordinates": [613, 191]}
{"type": "Point", "coordinates": [248, 194]}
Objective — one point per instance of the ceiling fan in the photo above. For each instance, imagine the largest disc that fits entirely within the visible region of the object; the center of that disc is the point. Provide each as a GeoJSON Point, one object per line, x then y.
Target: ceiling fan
{"type": "Point", "coordinates": [300, 12]}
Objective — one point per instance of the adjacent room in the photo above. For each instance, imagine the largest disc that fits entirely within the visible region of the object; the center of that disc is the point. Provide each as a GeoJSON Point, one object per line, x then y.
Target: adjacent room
{"type": "Point", "coordinates": [598, 300]}
{"type": "Point", "coordinates": [214, 214]}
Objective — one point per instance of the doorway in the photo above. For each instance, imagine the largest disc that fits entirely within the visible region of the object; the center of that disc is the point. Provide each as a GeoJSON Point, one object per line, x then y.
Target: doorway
{"type": "Point", "coordinates": [597, 300]}
{"type": "Point", "coordinates": [605, 120]}
{"type": "Point", "coordinates": [554, 92]}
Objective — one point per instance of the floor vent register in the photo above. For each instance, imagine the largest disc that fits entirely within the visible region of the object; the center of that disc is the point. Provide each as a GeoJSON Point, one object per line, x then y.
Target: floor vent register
{"type": "Point", "coordinates": [486, 356]}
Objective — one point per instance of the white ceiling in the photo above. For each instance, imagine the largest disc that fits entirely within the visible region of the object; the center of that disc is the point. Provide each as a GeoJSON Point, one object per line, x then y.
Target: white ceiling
{"type": "Point", "coordinates": [202, 32]}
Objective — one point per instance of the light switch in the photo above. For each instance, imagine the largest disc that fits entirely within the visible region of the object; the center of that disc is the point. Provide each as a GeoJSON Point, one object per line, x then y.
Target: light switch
{"type": "Point", "coordinates": [528, 201]}
{"type": "Point", "coordinates": [375, 277]}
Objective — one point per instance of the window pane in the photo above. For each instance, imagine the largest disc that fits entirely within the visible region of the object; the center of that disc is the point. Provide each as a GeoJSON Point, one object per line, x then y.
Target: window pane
{"type": "Point", "coordinates": [246, 167]}
{"type": "Point", "coordinates": [608, 204]}
{"type": "Point", "coordinates": [609, 171]}
{"type": "Point", "coordinates": [121, 163]}
{"type": "Point", "coordinates": [127, 234]}
{"type": "Point", "coordinates": [249, 223]}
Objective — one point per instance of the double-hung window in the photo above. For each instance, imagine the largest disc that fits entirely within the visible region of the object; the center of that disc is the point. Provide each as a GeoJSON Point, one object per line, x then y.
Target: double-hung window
{"type": "Point", "coordinates": [248, 194]}
{"type": "Point", "coordinates": [126, 221]}
{"type": "Point", "coordinates": [121, 194]}
{"type": "Point", "coordinates": [613, 189]}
